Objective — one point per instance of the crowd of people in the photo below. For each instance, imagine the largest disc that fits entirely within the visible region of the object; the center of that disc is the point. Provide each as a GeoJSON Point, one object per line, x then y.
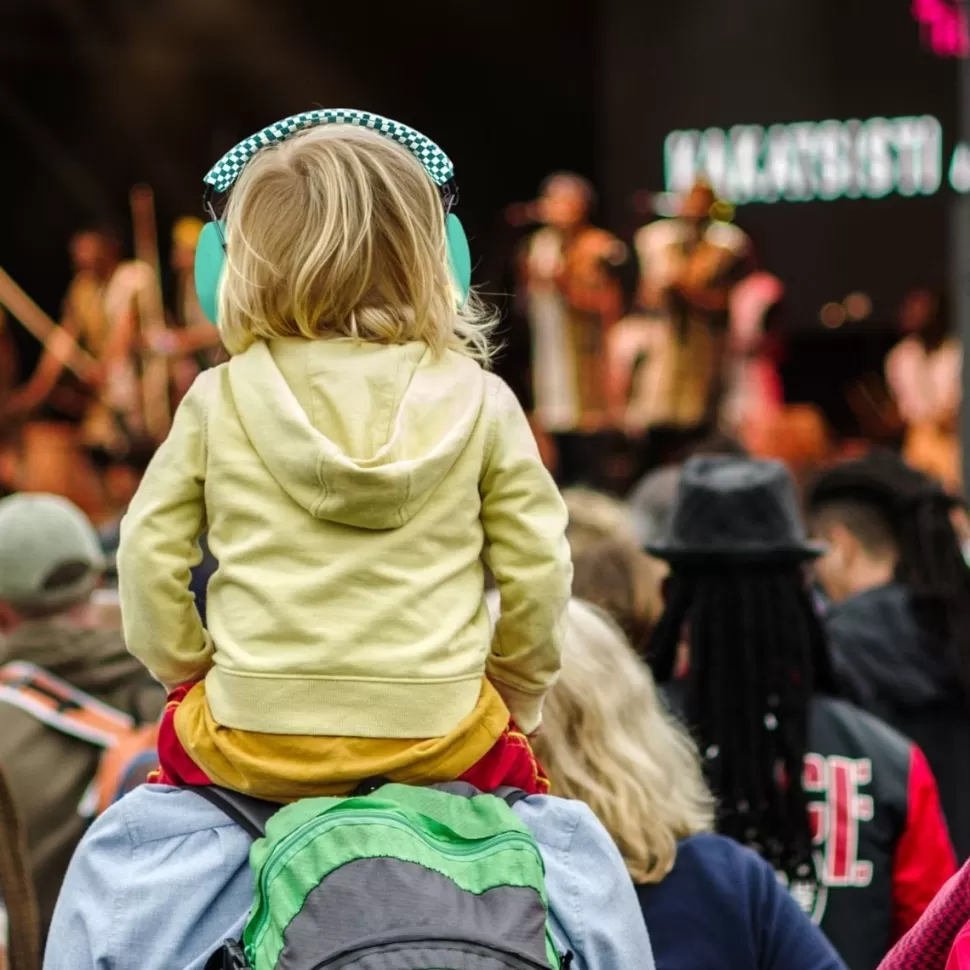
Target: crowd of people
{"type": "Point", "coordinates": [642, 345]}
{"type": "Point", "coordinates": [364, 679]}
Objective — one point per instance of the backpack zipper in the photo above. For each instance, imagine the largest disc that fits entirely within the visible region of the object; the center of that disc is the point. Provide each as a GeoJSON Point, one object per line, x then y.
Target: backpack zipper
{"type": "Point", "coordinates": [275, 863]}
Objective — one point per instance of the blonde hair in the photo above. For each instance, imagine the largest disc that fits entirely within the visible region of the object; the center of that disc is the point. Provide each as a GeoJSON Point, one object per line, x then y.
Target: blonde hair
{"type": "Point", "coordinates": [593, 517]}
{"type": "Point", "coordinates": [607, 740]}
{"type": "Point", "coordinates": [340, 232]}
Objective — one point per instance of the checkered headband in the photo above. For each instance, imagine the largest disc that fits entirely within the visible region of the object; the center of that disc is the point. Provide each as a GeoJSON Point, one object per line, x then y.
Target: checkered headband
{"type": "Point", "coordinates": [436, 163]}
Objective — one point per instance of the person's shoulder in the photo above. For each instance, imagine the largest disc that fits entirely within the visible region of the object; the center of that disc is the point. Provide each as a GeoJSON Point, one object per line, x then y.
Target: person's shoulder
{"type": "Point", "coordinates": [499, 399]}
{"type": "Point", "coordinates": [210, 378]}
{"type": "Point", "coordinates": [158, 880]}
{"type": "Point", "coordinates": [857, 732]}
{"type": "Point", "coordinates": [554, 822]}
{"type": "Point", "coordinates": [718, 868]}
{"type": "Point", "coordinates": [719, 858]}
{"type": "Point", "coordinates": [719, 880]}
{"type": "Point", "coordinates": [157, 813]}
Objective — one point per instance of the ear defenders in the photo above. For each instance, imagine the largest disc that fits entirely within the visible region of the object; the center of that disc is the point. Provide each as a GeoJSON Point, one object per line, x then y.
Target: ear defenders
{"type": "Point", "coordinates": [210, 254]}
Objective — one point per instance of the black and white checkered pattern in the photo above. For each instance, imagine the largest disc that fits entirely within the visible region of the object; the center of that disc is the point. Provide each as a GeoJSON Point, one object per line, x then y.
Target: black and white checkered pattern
{"type": "Point", "coordinates": [436, 163]}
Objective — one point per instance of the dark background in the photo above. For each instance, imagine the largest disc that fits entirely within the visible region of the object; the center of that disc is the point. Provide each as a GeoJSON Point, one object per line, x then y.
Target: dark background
{"type": "Point", "coordinates": [703, 63]}
{"type": "Point", "coordinates": [96, 95]}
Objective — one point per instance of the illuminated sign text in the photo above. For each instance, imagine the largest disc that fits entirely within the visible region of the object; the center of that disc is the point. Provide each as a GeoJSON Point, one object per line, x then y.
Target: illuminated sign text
{"type": "Point", "coordinates": [810, 160]}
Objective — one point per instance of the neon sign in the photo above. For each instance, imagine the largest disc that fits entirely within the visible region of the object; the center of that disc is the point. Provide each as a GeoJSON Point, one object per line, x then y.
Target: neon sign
{"type": "Point", "coordinates": [943, 26]}
{"type": "Point", "coordinates": [808, 161]}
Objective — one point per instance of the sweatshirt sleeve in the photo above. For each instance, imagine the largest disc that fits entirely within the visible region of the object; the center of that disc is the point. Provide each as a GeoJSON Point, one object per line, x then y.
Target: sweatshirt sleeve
{"type": "Point", "coordinates": [524, 518]}
{"type": "Point", "coordinates": [160, 545]}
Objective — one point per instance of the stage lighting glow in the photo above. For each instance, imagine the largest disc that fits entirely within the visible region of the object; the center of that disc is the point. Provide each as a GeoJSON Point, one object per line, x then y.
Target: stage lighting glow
{"type": "Point", "coordinates": [832, 315]}
{"type": "Point", "coordinates": [857, 306]}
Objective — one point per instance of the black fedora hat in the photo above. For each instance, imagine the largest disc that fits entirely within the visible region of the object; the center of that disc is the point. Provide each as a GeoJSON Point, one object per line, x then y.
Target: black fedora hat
{"type": "Point", "coordinates": [735, 510]}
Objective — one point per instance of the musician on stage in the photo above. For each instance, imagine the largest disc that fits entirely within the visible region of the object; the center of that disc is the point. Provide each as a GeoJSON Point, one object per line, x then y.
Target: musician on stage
{"type": "Point", "coordinates": [42, 414]}
{"type": "Point", "coordinates": [571, 300]}
{"type": "Point", "coordinates": [94, 257]}
{"type": "Point", "coordinates": [668, 360]}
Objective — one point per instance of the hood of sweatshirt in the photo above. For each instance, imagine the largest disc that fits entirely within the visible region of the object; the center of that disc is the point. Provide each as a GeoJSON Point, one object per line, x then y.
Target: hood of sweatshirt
{"type": "Point", "coordinates": [358, 434]}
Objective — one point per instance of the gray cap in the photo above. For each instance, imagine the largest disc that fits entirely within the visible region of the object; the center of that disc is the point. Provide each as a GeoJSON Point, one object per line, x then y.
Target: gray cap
{"type": "Point", "coordinates": [652, 503]}
{"type": "Point", "coordinates": [50, 556]}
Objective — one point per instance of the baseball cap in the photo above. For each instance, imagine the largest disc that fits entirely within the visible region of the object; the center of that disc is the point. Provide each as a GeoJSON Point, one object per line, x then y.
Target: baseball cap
{"type": "Point", "coordinates": [50, 556]}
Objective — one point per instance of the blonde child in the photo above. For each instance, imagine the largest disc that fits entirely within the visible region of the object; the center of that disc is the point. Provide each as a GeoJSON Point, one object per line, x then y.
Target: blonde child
{"type": "Point", "coordinates": [353, 464]}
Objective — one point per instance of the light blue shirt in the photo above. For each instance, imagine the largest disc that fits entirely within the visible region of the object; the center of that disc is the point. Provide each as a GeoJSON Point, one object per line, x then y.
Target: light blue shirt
{"type": "Point", "coordinates": [163, 878]}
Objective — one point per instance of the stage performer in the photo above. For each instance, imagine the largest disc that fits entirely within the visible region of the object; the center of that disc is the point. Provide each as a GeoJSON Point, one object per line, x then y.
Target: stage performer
{"type": "Point", "coordinates": [94, 257]}
{"type": "Point", "coordinates": [754, 396]}
{"type": "Point", "coordinates": [48, 454]}
{"type": "Point", "coordinates": [668, 362]}
{"type": "Point", "coordinates": [923, 377]}
{"type": "Point", "coordinates": [101, 311]}
{"type": "Point", "coordinates": [572, 298]}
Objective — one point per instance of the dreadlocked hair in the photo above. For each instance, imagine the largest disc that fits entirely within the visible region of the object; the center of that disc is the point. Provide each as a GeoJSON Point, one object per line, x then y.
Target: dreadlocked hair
{"type": "Point", "coordinates": [930, 562]}
{"type": "Point", "coordinates": [931, 566]}
{"type": "Point", "coordinates": [757, 653]}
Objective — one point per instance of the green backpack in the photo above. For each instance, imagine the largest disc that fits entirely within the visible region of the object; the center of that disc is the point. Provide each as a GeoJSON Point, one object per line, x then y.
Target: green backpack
{"type": "Point", "coordinates": [401, 878]}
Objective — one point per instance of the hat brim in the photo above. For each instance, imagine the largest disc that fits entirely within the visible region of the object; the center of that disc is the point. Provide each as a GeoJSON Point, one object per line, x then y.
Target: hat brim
{"type": "Point", "coordinates": [750, 555]}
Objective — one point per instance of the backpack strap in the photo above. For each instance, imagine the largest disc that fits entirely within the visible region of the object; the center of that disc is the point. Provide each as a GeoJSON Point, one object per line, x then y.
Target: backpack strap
{"type": "Point", "coordinates": [62, 706]}
{"type": "Point", "coordinates": [251, 814]}
{"type": "Point", "coordinates": [510, 795]}
{"type": "Point", "coordinates": [507, 793]}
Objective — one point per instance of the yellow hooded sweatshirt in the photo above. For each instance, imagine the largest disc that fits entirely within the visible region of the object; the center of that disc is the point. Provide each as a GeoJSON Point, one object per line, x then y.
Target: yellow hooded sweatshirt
{"type": "Point", "coordinates": [349, 491]}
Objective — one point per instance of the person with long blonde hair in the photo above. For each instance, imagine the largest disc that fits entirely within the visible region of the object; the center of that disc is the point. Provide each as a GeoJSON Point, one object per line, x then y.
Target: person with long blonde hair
{"type": "Point", "coordinates": [608, 740]}
{"type": "Point", "coordinates": [353, 463]}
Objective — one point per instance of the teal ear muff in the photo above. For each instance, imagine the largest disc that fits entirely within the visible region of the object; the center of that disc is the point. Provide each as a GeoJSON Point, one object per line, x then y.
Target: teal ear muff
{"type": "Point", "coordinates": [210, 258]}
{"type": "Point", "coordinates": [459, 256]}
{"type": "Point", "coordinates": [210, 255]}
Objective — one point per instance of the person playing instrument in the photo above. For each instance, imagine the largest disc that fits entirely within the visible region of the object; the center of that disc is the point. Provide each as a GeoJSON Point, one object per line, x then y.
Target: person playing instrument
{"type": "Point", "coordinates": [353, 463]}
{"type": "Point", "coordinates": [572, 300]}
{"type": "Point", "coordinates": [94, 254]}
{"type": "Point", "coordinates": [667, 371]}
{"type": "Point", "coordinates": [923, 377]}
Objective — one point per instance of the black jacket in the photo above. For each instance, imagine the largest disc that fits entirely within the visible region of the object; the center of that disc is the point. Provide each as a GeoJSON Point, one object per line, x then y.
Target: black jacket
{"type": "Point", "coordinates": [886, 664]}
{"type": "Point", "coordinates": [882, 850]}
